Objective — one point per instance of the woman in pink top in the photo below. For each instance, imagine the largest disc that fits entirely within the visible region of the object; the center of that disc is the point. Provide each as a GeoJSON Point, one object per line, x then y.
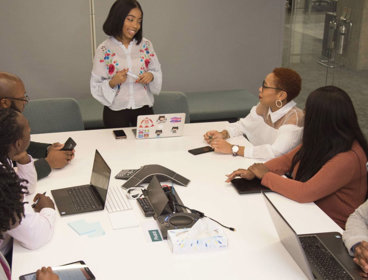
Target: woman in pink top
{"type": "Point", "coordinates": [329, 167]}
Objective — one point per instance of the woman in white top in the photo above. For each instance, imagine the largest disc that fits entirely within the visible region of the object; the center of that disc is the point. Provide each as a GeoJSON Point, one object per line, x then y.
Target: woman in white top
{"type": "Point", "coordinates": [126, 72]}
{"type": "Point", "coordinates": [273, 127]}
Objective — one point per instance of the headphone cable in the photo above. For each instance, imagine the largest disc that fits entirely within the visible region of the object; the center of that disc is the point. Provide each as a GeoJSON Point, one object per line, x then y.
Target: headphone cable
{"type": "Point", "coordinates": [201, 215]}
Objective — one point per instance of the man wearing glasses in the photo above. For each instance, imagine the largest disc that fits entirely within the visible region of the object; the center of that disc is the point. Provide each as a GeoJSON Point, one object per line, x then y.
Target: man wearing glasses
{"type": "Point", "coordinates": [13, 95]}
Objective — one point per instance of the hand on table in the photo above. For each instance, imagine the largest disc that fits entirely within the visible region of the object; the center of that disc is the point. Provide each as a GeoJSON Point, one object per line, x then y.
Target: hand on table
{"type": "Point", "coordinates": [212, 135]}
{"type": "Point", "coordinates": [43, 202]}
{"type": "Point", "coordinates": [361, 257]}
{"type": "Point", "coordinates": [221, 146]}
{"type": "Point", "coordinates": [258, 169]}
{"type": "Point", "coordinates": [242, 173]}
{"type": "Point", "coordinates": [46, 274]}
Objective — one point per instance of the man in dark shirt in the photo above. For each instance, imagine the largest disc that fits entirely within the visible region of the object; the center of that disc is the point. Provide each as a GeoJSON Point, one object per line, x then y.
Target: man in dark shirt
{"type": "Point", "coordinates": [13, 95]}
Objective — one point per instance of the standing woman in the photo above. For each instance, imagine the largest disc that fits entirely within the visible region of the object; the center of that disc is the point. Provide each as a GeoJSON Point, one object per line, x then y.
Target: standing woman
{"type": "Point", "coordinates": [126, 72]}
{"type": "Point", "coordinates": [329, 167]}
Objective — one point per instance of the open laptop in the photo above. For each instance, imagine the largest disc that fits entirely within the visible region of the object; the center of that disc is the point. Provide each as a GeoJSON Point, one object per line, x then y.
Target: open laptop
{"type": "Point", "coordinates": [85, 198]}
{"type": "Point", "coordinates": [160, 125]}
{"type": "Point", "coordinates": [244, 186]}
{"type": "Point", "coordinates": [319, 255]}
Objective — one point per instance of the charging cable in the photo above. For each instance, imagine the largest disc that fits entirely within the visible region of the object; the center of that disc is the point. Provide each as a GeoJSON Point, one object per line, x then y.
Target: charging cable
{"type": "Point", "coordinates": [201, 215]}
{"type": "Point", "coordinates": [134, 193]}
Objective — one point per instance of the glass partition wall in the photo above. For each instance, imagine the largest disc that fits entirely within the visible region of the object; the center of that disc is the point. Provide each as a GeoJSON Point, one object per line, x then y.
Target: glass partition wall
{"type": "Point", "coordinates": [326, 42]}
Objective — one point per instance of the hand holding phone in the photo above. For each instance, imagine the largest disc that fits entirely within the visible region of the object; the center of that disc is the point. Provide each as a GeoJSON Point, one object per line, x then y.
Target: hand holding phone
{"type": "Point", "coordinates": [76, 271]}
{"type": "Point", "coordinates": [69, 145]}
{"type": "Point", "coordinates": [119, 134]}
{"type": "Point", "coordinates": [201, 150]}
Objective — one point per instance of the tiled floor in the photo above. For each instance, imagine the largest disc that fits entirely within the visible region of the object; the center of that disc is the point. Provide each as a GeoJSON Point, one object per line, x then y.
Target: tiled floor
{"type": "Point", "coordinates": [302, 50]}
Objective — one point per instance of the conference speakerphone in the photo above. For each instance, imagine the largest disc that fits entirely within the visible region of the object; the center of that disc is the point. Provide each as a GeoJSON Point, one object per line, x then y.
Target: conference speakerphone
{"type": "Point", "coordinates": [146, 172]}
{"type": "Point", "coordinates": [166, 212]}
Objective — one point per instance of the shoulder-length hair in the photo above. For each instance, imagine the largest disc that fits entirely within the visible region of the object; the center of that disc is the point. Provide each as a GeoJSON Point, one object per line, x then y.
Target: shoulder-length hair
{"type": "Point", "coordinates": [330, 127]}
{"type": "Point", "coordinates": [114, 22]}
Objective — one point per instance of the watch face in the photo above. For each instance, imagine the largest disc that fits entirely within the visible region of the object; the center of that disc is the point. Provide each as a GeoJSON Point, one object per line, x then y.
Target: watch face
{"type": "Point", "coordinates": [235, 149]}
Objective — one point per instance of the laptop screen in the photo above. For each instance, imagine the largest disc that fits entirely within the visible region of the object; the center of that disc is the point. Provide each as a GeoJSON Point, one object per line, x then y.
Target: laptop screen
{"type": "Point", "coordinates": [288, 237]}
{"type": "Point", "coordinates": [157, 196]}
{"type": "Point", "coordinates": [100, 176]}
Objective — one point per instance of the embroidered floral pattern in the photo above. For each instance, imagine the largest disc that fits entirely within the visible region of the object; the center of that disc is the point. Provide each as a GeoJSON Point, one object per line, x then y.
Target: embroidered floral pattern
{"type": "Point", "coordinates": [109, 61]}
{"type": "Point", "coordinates": [146, 56]}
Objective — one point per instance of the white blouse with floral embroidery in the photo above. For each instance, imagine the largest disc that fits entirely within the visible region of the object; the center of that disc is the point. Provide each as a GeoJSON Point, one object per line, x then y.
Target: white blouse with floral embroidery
{"type": "Point", "coordinates": [112, 56]}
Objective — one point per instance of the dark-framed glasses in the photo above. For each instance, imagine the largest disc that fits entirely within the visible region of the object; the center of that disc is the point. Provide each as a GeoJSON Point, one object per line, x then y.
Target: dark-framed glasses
{"type": "Point", "coordinates": [24, 99]}
{"type": "Point", "coordinates": [264, 86]}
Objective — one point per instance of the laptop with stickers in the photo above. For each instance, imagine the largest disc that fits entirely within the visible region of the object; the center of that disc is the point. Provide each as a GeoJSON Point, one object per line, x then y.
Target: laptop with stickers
{"type": "Point", "coordinates": [160, 126]}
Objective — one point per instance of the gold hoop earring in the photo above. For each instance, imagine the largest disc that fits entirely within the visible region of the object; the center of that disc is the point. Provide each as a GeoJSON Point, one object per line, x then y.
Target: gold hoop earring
{"type": "Point", "coordinates": [278, 104]}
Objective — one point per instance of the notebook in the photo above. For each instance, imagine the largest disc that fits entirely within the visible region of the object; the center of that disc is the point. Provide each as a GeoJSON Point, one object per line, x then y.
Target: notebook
{"type": "Point", "coordinates": [319, 255]}
{"type": "Point", "coordinates": [160, 125]}
{"type": "Point", "coordinates": [244, 186]}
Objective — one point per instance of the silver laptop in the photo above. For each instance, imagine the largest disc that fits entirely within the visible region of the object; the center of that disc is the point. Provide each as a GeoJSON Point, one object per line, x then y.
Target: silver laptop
{"type": "Point", "coordinates": [319, 255]}
{"type": "Point", "coordinates": [160, 125]}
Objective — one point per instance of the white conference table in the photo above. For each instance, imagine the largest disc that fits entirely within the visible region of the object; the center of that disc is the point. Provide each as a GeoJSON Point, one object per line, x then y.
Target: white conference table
{"type": "Point", "coordinates": [254, 250]}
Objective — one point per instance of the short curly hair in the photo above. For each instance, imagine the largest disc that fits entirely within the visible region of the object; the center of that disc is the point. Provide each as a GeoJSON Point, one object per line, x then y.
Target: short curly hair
{"type": "Point", "coordinates": [12, 191]}
{"type": "Point", "coordinates": [289, 80]}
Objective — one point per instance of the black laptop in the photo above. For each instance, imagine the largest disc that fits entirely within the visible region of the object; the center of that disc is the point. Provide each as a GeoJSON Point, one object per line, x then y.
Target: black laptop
{"type": "Point", "coordinates": [85, 198]}
{"type": "Point", "coordinates": [319, 255]}
{"type": "Point", "coordinates": [244, 186]}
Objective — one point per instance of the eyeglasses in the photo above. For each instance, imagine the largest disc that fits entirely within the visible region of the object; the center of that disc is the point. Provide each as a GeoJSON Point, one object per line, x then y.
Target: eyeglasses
{"type": "Point", "coordinates": [25, 99]}
{"type": "Point", "coordinates": [264, 86]}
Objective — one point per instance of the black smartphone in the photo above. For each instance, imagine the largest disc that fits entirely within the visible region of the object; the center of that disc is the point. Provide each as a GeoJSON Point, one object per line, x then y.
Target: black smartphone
{"type": "Point", "coordinates": [73, 271]}
{"type": "Point", "coordinates": [119, 134]}
{"type": "Point", "coordinates": [201, 150]}
{"type": "Point", "coordinates": [69, 145]}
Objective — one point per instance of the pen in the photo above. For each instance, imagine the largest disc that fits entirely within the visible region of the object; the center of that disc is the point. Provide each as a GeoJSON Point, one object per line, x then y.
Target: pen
{"type": "Point", "coordinates": [35, 203]}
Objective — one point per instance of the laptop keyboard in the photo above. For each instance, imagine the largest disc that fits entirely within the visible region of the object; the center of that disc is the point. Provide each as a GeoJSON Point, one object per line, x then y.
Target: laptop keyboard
{"type": "Point", "coordinates": [116, 200]}
{"type": "Point", "coordinates": [83, 198]}
{"type": "Point", "coordinates": [322, 260]}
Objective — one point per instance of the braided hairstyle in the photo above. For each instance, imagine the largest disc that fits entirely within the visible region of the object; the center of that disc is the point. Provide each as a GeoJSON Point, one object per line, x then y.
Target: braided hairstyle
{"type": "Point", "coordinates": [11, 198]}
{"type": "Point", "coordinates": [10, 132]}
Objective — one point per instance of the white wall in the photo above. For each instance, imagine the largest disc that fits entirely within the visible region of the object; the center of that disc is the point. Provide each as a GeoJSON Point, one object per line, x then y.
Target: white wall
{"type": "Point", "coordinates": [201, 44]}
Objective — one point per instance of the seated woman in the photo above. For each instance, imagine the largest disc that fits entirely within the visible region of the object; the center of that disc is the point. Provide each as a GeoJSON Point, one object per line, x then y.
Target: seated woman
{"type": "Point", "coordinates": [329, 167]}
{"type": "Point", "coordinates": [273, 127]}
{"type": "Point", "coordinates": [12, 212]}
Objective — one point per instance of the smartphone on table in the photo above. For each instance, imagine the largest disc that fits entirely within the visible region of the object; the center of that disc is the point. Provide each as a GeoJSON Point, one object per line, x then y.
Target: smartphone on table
{"type": "Point", "coordinates": [119, 134]}
{"type": "Point", "coordinates": [201, 150]}
{"type": "Point", "coordinates": [72, 271]}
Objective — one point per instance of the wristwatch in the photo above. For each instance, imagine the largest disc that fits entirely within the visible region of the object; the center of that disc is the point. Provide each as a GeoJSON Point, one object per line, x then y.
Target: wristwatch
{"type": "Point", "coordinates": [235, 150]}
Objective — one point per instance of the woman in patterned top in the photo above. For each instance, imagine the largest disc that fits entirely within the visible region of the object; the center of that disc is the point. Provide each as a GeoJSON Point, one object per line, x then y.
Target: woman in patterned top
{"type": "Point", "coordinates": [126, 72]}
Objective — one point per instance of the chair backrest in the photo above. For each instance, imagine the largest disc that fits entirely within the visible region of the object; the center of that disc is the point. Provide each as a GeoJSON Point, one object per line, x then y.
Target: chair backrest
{"type": "Point", "coordinates": [53, 115]}
{"type": "Point", "coordinates": [171, 102]}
